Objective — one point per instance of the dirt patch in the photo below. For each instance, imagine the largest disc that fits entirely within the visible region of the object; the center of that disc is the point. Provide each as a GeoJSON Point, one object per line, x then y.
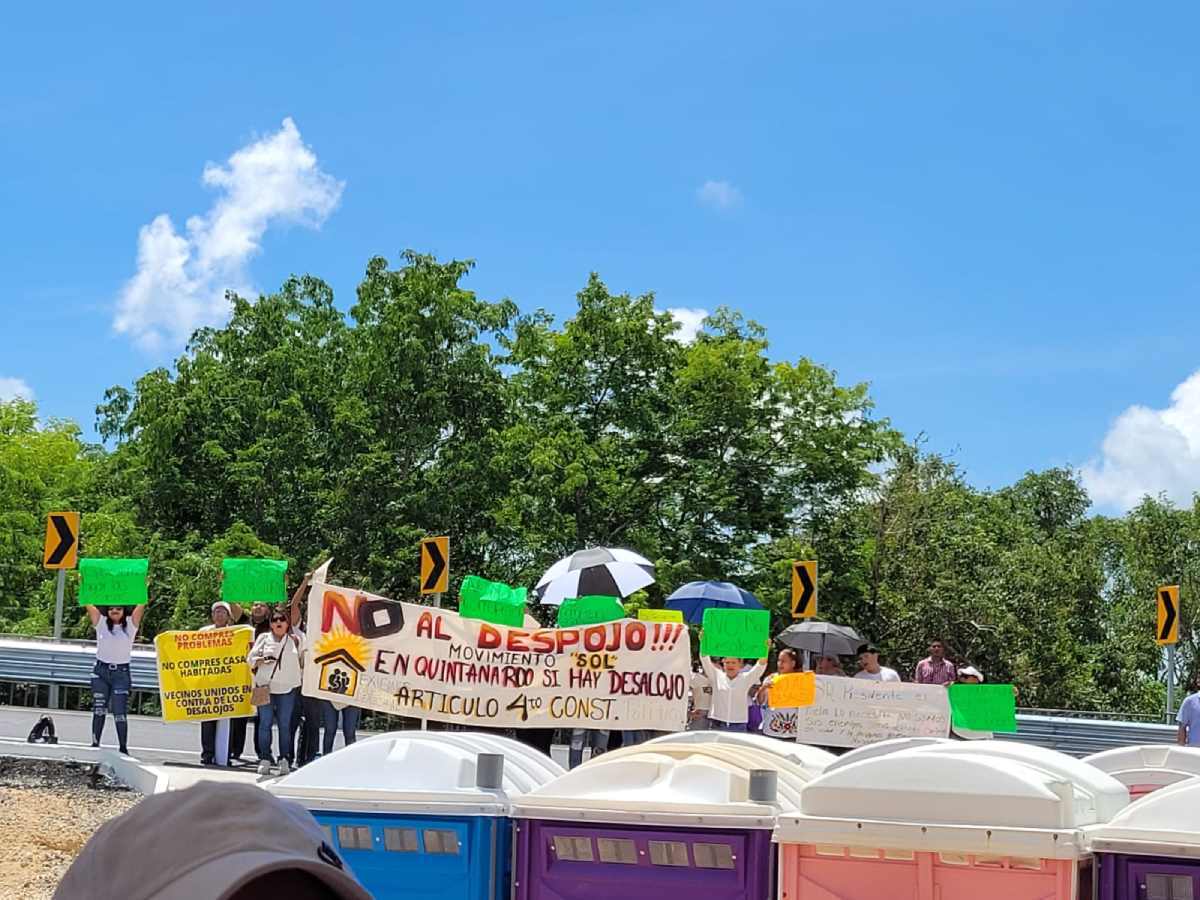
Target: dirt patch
{"type": "Point", "coordinates": [48, 810]}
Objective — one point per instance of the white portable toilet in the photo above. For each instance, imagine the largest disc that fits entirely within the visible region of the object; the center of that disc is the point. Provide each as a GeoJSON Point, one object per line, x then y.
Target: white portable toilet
{"type": "Point", "coordinates": [945, 821]}
{"type": "Point", "coordinates": [1147, 767]}
{"type": "Point", "coordinates": [880, 748]}
{"type": "Point", "coordinates": [418, 813]}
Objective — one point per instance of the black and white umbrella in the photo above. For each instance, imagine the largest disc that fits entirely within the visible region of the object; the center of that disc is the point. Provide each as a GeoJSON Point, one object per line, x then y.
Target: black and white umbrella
{"type": "Point", "coordinates": [599, 571]}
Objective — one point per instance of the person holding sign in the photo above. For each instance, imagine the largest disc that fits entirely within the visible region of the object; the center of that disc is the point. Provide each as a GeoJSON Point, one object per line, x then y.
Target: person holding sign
{"type": "Point", "coordinates": [223, 616]}
{"type": "Point", "coordinates": [116, 627]}
{"type": "Point", "coordinates": [779, 723]}
{"type": "Point", "coordinates": [275, 661]}
{"type": "Point", "coordinates": [731, 685]}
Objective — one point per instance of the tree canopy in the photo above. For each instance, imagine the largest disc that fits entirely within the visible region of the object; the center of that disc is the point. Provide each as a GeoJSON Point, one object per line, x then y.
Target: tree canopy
{"type": "Point", "coordinates": [301, 431]}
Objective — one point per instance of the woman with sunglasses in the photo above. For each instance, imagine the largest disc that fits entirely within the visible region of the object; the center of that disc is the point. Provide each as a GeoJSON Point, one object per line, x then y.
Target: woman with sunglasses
{"type": "Point", "coordinates": [275, 661]}
{"type": "Point", "coordinates": [110, 676]}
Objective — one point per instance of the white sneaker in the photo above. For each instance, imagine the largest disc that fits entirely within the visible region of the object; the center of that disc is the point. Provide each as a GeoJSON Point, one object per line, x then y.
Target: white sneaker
{"type": "Point", "coordinates": [284, 768]}
{"type": "Point", "coordinates": [264, 767]}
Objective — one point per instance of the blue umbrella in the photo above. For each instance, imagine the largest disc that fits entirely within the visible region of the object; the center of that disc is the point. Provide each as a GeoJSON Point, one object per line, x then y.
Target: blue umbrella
{"type": "Point", "coordinates": [697, 596]}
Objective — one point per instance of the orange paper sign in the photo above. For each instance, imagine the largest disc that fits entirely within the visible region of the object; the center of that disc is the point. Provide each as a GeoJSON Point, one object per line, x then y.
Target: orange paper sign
{"type": "Point", "coordinates": [793, 690]}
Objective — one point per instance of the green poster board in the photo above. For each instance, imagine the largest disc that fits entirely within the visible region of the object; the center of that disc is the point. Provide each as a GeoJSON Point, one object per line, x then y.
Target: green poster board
{"type": "Point", "coordinates": [744, 633]}
{"type": "Point", "coordinates": [113, 582]}
{"type": "Point", "coordinates": [589, 611]}
{"type": "Point", "coordinates": [253, 580]}
{"type": "Point", "coordinates": [984, 707]}
{"type": "Point", "coordinates": [491, 601]}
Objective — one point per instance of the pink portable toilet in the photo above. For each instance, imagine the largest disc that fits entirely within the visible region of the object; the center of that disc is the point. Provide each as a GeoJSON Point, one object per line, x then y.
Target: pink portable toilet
{"type": "Point", "coordinates": [944, 822]}
{"type": "Point", "coordinates": [1148, 767]}
{"type": "Point", "coordinates": [668, 818]}
{"type": "Point", "coordinates": [1151, 851]}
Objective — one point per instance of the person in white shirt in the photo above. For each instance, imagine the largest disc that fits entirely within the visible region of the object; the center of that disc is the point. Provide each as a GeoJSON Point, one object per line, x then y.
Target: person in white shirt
{"type": "Point", "coordinates": [869, 667]}
{"type": "Point", "coordinates": [731, 691]}
{"type": "Point", "coordinates": [115, 628]}
{"type": "Point", "coordinates": [275, 660]}
{"type": "Point", "coordinates": [701, 702]}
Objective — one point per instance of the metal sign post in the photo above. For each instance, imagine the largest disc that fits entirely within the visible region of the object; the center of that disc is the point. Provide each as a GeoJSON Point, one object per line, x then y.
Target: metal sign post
{"type": "Point", "coordinates": [59, 587]}
{"type": "Point", "coordinates": [1170, 681]}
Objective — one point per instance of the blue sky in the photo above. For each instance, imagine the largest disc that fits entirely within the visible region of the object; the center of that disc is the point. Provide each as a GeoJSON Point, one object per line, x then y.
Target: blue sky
{"type": "Point", "coordinates": [987, 210]}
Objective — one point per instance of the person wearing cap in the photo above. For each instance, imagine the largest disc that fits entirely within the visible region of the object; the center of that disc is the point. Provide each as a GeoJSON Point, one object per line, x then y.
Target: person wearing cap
{"type": "Point", "coordinates": [111, 679]}
{"type": "Point", "coordinates": [969, 675]}
{"type": "Point", "coordinates": [869, 667]}
{"type": "Point", "coordinates": [223, 616]}
{"type": "Point", "coordinates": [275, 660]}
{"type": "Point", "coordinates": [213, 841]}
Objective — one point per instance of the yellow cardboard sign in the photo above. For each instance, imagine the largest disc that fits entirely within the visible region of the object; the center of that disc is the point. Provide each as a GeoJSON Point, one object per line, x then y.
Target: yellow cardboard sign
{"type": "Point", "coordinates": [204, 674]}
{"type": "Point", "coordinates": [793, 690]}
{"type": "Point", "coordinates": [660, 615]}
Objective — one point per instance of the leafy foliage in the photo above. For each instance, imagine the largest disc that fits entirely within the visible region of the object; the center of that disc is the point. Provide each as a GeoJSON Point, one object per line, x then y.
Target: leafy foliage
{"type": "Point", "coordinates": [302, 431]}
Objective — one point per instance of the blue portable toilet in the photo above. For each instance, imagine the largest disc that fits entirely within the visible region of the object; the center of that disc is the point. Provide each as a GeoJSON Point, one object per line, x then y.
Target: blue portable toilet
{"type": "Point", "coordinates": [422, 814]}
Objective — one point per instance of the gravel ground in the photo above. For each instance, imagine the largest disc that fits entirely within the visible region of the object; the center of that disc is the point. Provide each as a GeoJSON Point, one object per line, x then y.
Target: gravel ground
{"type": "Point", "coordinates": [48, 810]}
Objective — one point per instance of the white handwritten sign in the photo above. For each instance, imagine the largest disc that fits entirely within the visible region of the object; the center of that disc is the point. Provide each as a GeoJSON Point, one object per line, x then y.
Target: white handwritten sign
{"type": "Point", "coordinates": [852, 712]}
{"type": "Point", "coordinates": [432, 663]}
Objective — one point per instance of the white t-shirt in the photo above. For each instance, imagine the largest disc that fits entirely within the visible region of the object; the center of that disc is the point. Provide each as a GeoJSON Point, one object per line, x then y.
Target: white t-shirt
{"type": "Point", "coordinates": [884, 674]}
{"type": "Point", "coordinates": [731, 696]}
{"type": "Point", "coordinates": [701, 692]}
{"type": "Point", "coordinates": [267, 650]}
{"type": "Point", "coordinates": [113, 647]}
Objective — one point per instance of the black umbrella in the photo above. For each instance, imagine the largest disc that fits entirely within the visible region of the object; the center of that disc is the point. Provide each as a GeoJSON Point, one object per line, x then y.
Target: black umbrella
{"type": "Point", "coordinates": [822, 638]}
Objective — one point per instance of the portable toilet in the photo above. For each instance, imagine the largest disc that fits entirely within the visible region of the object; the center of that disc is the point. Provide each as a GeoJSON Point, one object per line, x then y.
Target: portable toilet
{"type": "Point", "coordinates": [422, 814]}
{"type": "Point", "coordinates": [945, 821]}
{"type": "Point", "coordinates": [669, 817]}
{"type": "Point", "coordinates": [1151, 851]}
{"type": "Point", "coordinates": [879, 748]}
{"type": "Point", "coordinates": [1148, 767]}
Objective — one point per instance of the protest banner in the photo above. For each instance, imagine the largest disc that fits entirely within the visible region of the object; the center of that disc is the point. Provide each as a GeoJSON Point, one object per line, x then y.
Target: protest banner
{"type": "Point", "coordinates": [589, 611]}
{"type": "Point", "coordinates": [660, 615]}
{"type": "Point", "coordinates": [253, 580]}
{"type": "Point", "coordinates": [204, 674]}
{"type": "Point", "coordinates": [744, 633]}
{"type": "Point", "coordinates": [983, 707]}
{"type": "Point", "coordinates": [491, 601]}
{"type": "Point", "coordinates": [851, 712]}
{"type": "Point", "coordinates": [794, 689]}
{"type": "Point", "coordinates": [412, 660]}
{"type": "Point", "coordinates": [113, 582]}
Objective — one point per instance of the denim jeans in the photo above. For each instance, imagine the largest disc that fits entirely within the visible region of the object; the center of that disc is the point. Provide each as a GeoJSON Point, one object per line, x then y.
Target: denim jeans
{"type": "Point", "coordinates": [718, 725]}
{"type": "Point", "coordinates": [110, 691]}
{"type": "Point", "coordinates": [350, 717]}
{"type": "Point", "coordinates": [279, 712]}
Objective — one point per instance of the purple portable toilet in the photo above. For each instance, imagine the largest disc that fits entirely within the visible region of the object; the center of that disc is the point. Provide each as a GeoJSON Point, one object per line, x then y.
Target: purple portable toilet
{"type": "Point", "coordinates": [677, 816]}
{"type": "Point", "coordinates": [1151, 850]}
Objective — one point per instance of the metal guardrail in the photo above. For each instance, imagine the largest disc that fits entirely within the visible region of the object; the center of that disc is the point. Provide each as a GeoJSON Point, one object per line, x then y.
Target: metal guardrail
{"type": "Point", "coordinates": [1082, 737]}
{"type": "Point", "coordinates": [50, 661]}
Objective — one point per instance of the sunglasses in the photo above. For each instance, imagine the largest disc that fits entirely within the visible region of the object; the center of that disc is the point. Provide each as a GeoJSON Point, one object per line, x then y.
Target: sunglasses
{"type": "Point", "coordinates": [280, 619]}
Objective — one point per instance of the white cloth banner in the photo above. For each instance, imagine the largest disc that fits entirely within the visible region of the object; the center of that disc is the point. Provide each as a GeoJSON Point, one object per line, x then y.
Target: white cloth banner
{"type": "Point", "coordinates": [851, 712]}
{"type": "Point", "coordinates": [413, 660]}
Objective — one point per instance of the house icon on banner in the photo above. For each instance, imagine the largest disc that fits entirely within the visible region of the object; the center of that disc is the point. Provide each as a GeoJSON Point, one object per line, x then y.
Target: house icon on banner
{"type": "Point", "coordinates": [339, 672]}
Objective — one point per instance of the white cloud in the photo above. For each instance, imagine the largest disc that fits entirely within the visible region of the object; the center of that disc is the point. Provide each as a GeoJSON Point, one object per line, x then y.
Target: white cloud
{"type": "Point", "coordinates": [690, 322]}
{"type": "Point", "coordinates": [720, 195]}
{"type": "Point", "coordinates": [1150, 451]}
{"type": "Point", "coordinates": [11, 388]}
{"type": "Point", "coordinates": [182, 278]}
